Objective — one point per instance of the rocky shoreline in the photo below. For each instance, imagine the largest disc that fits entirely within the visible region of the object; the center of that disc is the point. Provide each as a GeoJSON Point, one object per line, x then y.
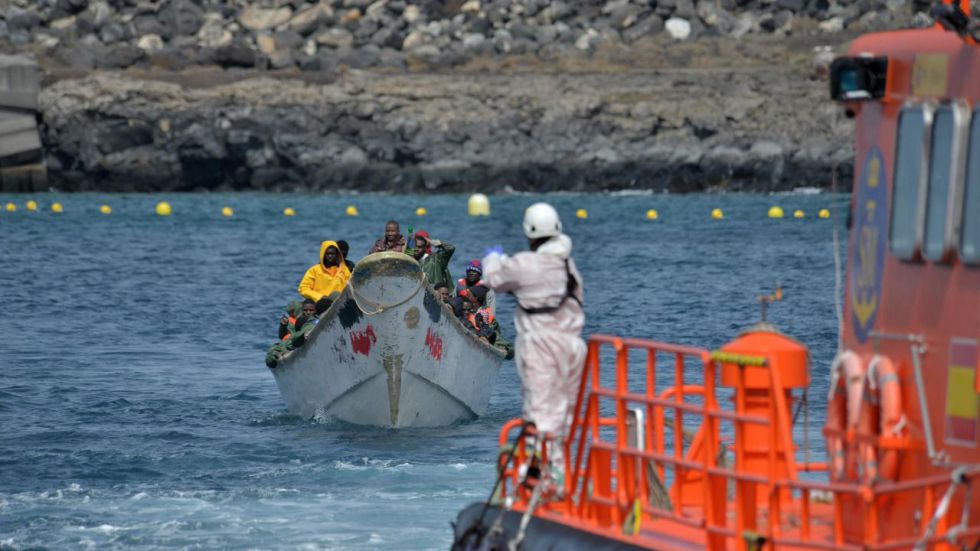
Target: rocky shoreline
{"type": "Point", "coordinates": [388, 95]}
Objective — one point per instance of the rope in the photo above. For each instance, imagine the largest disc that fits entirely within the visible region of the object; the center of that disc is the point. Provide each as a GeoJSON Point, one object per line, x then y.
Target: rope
{"type": "Point", "coordinates": [382, 307]}
{"type": "Point", "coordinates": [477, 525]}
{"type": "Point", "coordinates": [958, 478]}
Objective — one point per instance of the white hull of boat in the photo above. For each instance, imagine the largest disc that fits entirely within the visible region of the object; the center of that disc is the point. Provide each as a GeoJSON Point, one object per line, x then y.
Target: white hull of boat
{"type": "Point", "coordinates": [388, 353]}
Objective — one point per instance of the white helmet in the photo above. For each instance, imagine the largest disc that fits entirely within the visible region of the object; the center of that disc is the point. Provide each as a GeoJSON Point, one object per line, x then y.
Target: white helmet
{"type": "Point", "coordinates": [541, 220]}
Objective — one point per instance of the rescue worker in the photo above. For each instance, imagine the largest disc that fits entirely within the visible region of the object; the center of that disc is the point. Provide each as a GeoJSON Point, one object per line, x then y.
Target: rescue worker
{"type": "Point", "coordinates": [549, 318]}
{"type": "Point", "coordinates": [328, 278]}
{"type": "Point", "coordinates": [474, 271]}
{"type": "Point", "coordinates": [433, 255]}
{"type": "Point", "coordinates": [392, 240]}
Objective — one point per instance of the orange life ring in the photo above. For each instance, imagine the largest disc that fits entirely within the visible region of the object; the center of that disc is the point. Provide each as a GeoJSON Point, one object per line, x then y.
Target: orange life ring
{"type": "Point", "coordinates": [844, 410]}
{"type": "Point", "coordinates": [885, 391]}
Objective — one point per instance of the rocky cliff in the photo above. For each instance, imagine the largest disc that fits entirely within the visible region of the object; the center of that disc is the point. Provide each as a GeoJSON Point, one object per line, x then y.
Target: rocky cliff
{"type": "Point", "coordinates": [414, 96]}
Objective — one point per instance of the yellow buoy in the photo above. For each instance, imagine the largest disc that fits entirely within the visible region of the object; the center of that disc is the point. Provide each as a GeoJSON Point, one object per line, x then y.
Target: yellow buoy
{"type": "Point", "coordinates": [163, 208]}
{"type": "Point", "coordinates": [227, 211]}
{"type": "Point", "coordinates": [105, 209]}
{"type": "Point", "coordinates": [775, 212]}
{"type": "Point", "coordinates": [798, 214]}
{"type": "Point", "coordinates": [56, 207]}
{"type": "Point", "coordinates": [288, 211]}
{"type": "Point", "coordinates": [824, 213]}
{"type": "Point", "coordinates": [11, 207]}
{"type": "Point", "coordinates": [421, 211]}
{"type": "Point", "coordinates": [652, 214]}
{"type": "Point", "coordinates": [31, 206]}
{"type": "Point", "coordinates": [478, 205]}
{"type": "Point", "coordinates": [581, 214]}
{"type": "Point", "coordinates": [351, 210]}
{"type": "Point", "coordinates": [717, 214]}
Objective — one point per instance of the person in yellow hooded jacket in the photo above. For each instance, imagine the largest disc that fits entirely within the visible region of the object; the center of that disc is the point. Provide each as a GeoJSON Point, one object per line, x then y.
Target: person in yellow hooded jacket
{"type": "Point", "coordinates": [327, 278]}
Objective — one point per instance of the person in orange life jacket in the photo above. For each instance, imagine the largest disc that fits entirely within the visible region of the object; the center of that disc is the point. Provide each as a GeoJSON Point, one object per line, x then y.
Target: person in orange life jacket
{"type": "Point", "coordinates": [288, 324]}
{"type": "Point", "coordinates": [304, 324]}
{"type": "Point", "coordinates": [481, 320]}
{"type": "Point", "coordinates": [328, 278]}
{"type": "Point", "coordinates": [344, 249]}
{"type": "Point", "coordinates": [474, 271]}
{"type": "Point", "coordinates": [433, 255]}
{"type": "Point", "coordinates": [392, 240]}
{"type": "Point", "coordinates": [287, 321]}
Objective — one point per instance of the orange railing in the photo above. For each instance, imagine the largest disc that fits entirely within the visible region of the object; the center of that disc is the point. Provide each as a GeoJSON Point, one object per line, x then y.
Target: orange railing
{"type": "Point", "coordinates": [714, 499]}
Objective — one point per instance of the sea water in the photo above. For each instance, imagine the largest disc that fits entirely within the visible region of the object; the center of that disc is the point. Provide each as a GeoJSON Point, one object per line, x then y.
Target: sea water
{"type": "Point", "coordinates": [136, 410]}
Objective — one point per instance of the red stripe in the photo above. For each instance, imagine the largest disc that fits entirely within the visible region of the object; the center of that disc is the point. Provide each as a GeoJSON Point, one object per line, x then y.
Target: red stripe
{"type": "Point", "coordinates": [961, 428]}
{"type": "Point", "coordinates": [963, 354]}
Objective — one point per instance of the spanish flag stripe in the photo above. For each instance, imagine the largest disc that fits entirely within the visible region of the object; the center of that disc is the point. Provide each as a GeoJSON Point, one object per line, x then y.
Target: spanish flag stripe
{"type": "Point", "coordinates": [962, 400]}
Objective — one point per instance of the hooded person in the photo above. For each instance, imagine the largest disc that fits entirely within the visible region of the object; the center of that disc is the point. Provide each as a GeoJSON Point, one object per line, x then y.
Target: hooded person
{"type": "Point", "coordinates": [433, 255]}
{"type": "Point", "coordinates": [549, 318]}
{"type": "Point", "coordinates": [474, 273]}
{"type": "Point", "coordinates": [327, 278]}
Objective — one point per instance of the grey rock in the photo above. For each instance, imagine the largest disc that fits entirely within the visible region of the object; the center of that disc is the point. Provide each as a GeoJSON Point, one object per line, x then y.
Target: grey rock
{"type": "Point", "coordinates": [335, 38]}
{"type": "Point", "coordinates": [685, 9]}
{"type": "Point", "coordinates": [234, 55]}
{"type": "Point", "coordinates": [112, 32]}
{"type": "Point", "coordinates": [72, 6]}
{"type": "Point", "coordinates": [648, 26]}
{"type": "Point", "coordinates": [362, 58]}
{"type": "Point", "coordinates": [21, 20]}
{"type": "Point", "coordinates": [545, 34]}
{"type": "Point", "coordinates": [183, 16]}
{"type": "Point", "coordinates": [792, 5]}
{"type": "Point", "coordinates": [255, 18]}
{"type": "Point", "coordinates": [151, 24]}
{"type": "Point", "coordinates": [120, 57]}
{"type": "Point", "coordinates": [353, 155]}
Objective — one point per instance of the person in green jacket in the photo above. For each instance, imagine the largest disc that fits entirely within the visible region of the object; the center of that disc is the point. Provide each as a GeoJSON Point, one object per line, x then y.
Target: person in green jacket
{"type": "Point", "coordinates": [304, 324]}
{"type": "Point", "coordinates": [433, 255]}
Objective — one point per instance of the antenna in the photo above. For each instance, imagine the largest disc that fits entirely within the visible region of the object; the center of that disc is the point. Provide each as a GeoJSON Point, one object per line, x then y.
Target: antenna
{"type": "Point", "coordinates": [766, 300]}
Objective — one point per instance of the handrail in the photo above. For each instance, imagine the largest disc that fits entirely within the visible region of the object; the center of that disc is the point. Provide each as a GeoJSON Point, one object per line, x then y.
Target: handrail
{"type": "Point", "coordinates": [611, 476]}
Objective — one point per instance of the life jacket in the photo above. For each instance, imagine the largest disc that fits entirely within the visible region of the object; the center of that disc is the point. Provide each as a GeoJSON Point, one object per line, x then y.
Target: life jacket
{"type": "Point", "coordinates": [292, 321]}
{"type": "Point", "coordinates": [461, 284]}
{"type": "Point", "coordinates": [487, 317]}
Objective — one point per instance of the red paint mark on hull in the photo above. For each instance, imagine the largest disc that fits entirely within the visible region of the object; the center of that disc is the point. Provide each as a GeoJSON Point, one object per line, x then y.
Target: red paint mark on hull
{"type": "Point", "coordinates": [361, 341]}
{"type": "Point", "coordinates": [434, 343]}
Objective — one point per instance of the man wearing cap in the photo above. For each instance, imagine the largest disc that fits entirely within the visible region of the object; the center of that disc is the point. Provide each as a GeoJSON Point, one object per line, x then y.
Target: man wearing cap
{"type": "Point", "coordinates": [433, 255]}
{"type": "Point", "coordinates": [549, 319]}
{"type": "Point", "coordinates": [474, 271]}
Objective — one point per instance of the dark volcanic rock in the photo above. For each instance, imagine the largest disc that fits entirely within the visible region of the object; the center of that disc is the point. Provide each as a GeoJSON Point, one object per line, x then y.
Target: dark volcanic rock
{"type": "Point", "coordinates": [445, 132]}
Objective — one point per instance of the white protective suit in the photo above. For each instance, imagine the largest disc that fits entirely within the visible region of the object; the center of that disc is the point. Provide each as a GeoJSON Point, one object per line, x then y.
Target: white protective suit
{"type": "Point", "coordinates": [550, 352]}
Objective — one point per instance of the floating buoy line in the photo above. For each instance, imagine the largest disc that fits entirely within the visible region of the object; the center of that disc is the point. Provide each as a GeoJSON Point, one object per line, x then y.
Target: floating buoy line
{"type": "Point", "coordinates": [478, 205]}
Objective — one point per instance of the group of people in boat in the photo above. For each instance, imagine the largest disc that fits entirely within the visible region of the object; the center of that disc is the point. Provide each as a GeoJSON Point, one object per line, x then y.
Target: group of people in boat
{"type": "Point", "coordinates": [549, 315]}
{"type": "Point", "coordinates": [472, 302]}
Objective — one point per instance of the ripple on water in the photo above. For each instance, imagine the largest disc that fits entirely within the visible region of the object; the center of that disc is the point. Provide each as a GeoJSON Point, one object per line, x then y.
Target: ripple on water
{"type": "Point", "coordinates": [138, 414]}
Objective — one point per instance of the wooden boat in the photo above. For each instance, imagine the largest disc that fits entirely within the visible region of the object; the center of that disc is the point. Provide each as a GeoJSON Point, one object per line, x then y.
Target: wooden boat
{"type": "Point", "coordinates": [903, 422]}
{"type": "Point", "coordinates": [389, 353]}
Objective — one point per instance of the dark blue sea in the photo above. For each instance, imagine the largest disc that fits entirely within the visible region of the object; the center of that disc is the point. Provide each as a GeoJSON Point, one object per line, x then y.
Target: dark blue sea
{"type": "Point", "coordinates": [136, 411]}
